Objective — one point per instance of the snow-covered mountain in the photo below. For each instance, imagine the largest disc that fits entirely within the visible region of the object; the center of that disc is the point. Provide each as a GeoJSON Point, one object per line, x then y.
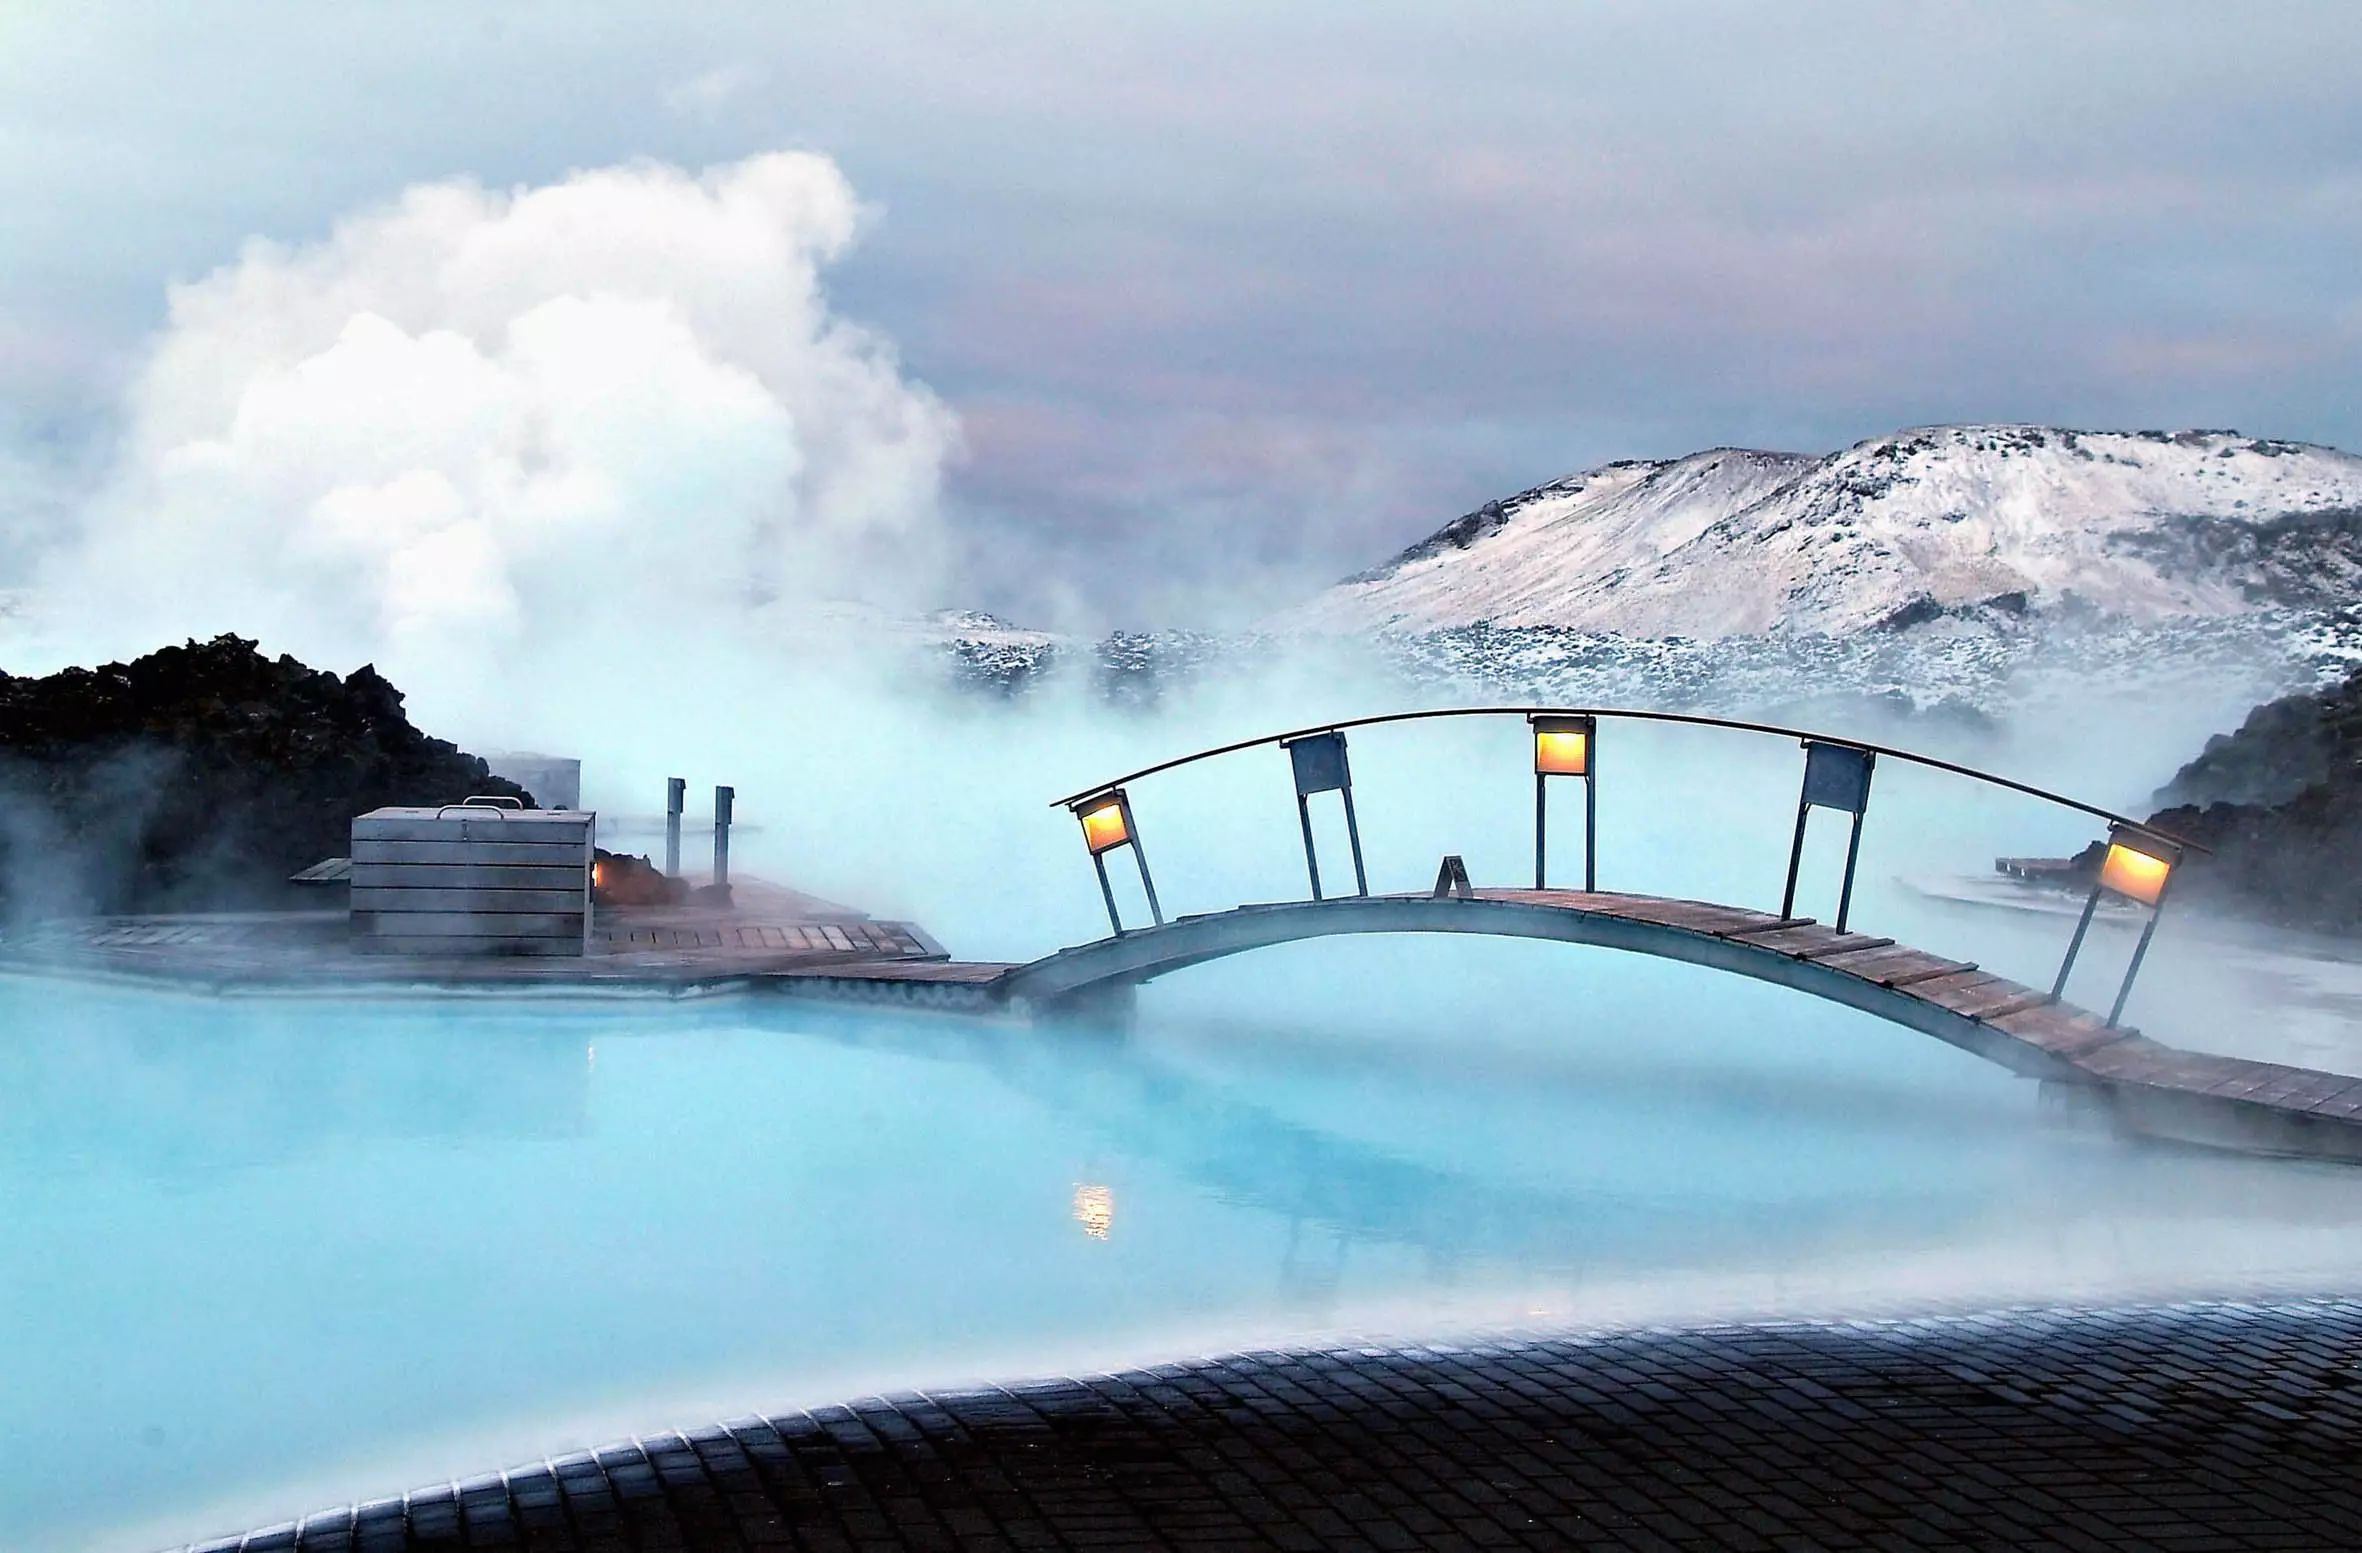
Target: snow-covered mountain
{"type": "Point", "coordinates": [1939, 521]}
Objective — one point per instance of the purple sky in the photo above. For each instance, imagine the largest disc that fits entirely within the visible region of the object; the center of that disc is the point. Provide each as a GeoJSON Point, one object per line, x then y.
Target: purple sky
{"type": "Point", "coordinates": [1232, 304]}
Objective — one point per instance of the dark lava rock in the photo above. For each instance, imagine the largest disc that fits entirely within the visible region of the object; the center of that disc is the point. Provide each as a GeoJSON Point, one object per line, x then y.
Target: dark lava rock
{"type": "Point", "coordinates": [2284, 747]}
{"type": "Point", "coordinates": [2279, 805]}
{"type": "Point", "coordinates": [199, 777]}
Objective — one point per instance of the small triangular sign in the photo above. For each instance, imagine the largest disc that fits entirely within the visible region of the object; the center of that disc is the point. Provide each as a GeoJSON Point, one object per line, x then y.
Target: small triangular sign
{"type": "Point", "coordinates": [1451, 880]}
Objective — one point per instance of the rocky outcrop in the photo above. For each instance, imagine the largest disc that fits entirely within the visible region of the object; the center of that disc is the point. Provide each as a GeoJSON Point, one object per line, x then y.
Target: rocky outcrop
{"type": "Point", "coordinates": [2282, 749]}
{"type": "Point", "coordinates": [2279, 806]}
{"type": "Point", "coordinates": [201, 776]}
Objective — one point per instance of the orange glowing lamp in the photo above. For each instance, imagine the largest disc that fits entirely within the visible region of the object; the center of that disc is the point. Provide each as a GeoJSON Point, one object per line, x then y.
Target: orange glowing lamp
{"type": "Point", "coordinates": [2137, 872]}
{"type": "Point", "coordinates": [1106, 819]}
{"type": "Point", "coordinates": [1107, 823]}
{"type": "Point", "coordinates": [1562, 746]}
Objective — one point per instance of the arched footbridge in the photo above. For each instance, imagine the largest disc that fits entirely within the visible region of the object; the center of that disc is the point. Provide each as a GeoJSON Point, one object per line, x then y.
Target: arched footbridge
{"type": "Point", "coordinates": [2093, 1059]}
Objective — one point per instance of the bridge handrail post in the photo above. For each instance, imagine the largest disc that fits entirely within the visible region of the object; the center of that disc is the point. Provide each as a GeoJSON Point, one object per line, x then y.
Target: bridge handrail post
{"type": "Point", "coordinates": [2091, 903]}
{"type": "Point", "coordinates": [1311, 856]}
{"type": "Point", "coordinates": [1115, 920]}
{"type": "Point", "coordinates": [1795, 859]}
{"type": "Point", "coordinates": [1156, 912]}
{"type": "Point", "coordinates": [1541, 830]}
{"type": "Point", "coordinates": [1361, 880]}
{"type": "Point", "coordinates": [1591, 820]}
{"type": "Point", "coordinates": [1845, 890]}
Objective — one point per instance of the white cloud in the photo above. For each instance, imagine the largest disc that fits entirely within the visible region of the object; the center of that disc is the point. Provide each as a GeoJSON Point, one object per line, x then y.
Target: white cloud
{"type": "Point", "coordinates": [472, 431]}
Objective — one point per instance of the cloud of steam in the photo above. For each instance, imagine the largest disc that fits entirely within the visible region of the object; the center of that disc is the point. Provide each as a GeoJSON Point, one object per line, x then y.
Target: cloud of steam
{"type": "Point", "coordinates": [469, 431]}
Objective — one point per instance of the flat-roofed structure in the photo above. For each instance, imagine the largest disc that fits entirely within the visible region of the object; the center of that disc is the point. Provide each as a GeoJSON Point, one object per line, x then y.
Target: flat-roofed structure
{"type": "Point", "coordinates": [473, 879]}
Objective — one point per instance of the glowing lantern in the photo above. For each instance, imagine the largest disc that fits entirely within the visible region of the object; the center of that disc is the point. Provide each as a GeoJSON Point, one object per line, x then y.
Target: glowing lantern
{"type": "Point", "coordinates": [1106, 819]}
{"type": "Point", "coordinates": [1562, 746]}
{"type": "Point", "coordinates": [2137, 866]}
{"type": "Point", "coordinates": [1105, 826]}
{"type": "Point", "coordinates": [2134, 873]}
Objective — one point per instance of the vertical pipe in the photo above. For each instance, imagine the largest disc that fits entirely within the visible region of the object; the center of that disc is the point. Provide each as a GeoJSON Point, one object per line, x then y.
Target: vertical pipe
{"type": "Point", "coordinates": [1361, 881]}
{"type": "Point", "coordinates": [1107, 894]}
{"type": "Point", "coordinates": [1795, 860]}
{"type": "Point", "coordinates": [676, 798]}
{"type": "Point", "coordinates": [723, 797]}
{"type": "Point", "coordinates": [2139, 951]}
{"type": "Point", "coordinates": [1541, 827]}
{"type": "Point", "coordinates": [1590, 824]}
{"type": "Point", "coordinates": [2091, 904]}
{"type": "Point", "coordinates": [1311, 858]}
{"type": "Point", "coordinates": [1845, 891]}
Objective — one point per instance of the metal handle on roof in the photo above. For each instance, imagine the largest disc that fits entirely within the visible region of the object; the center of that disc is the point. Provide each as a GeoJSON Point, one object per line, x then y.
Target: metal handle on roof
{"type": "Point", "coordinates": [494, 802]}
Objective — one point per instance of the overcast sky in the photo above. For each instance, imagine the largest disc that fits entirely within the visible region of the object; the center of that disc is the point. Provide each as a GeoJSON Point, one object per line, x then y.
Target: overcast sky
{"type": "Point", "coordinates": [1229, 299]}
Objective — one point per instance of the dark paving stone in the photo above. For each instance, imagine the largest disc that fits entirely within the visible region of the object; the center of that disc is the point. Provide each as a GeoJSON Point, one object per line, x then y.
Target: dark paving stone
{"type": "Point", "coordinates": [2196, 1426]}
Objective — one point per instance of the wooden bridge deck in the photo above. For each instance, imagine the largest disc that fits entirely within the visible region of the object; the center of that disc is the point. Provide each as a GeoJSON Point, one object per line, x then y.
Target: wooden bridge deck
{"type": "Point", "coordinates": [2144, 1085]}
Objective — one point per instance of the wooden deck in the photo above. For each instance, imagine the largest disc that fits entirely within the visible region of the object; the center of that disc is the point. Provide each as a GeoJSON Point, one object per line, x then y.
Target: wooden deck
{"type": "Point", "coordinates": [678, 950]}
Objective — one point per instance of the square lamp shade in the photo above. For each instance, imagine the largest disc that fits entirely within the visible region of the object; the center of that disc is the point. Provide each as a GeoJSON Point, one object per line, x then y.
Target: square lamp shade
{"type": "Point", "coordinates": [2137, 869]}
{"type": "Point", "coordinates": [1107, 821]}
{"type": "Point", "coordinates": [1562, 746]}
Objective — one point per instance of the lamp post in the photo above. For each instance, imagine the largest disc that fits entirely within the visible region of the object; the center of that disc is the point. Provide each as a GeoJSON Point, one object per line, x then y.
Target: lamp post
{"type": "Point", "coordinates": [1318, 761]}
{"type": "Point", "coordinates": [1564, 746]}
{"type": "Point", "coordinates": [1836, 776]}
{"type": "Point", "coordinates": [2138, 867]}
{"type": "Point", "coordinates": [1107, 824]}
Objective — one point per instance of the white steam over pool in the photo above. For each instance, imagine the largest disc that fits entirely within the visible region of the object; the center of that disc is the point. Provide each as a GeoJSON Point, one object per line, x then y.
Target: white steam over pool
{"type": "Point", "coordinates": [471, 430]}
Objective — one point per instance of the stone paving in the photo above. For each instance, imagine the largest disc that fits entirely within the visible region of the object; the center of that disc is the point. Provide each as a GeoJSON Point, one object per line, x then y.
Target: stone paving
{"type": "Point", "coordinates": [2186, 1427]}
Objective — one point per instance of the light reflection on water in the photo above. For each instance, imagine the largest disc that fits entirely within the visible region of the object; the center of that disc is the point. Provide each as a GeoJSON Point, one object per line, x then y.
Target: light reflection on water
{"type": "Point", "coordinates": [255, 1246]}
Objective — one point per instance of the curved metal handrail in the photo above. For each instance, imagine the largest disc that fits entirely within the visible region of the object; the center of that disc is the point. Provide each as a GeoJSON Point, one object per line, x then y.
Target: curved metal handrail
{"type": "Point", "coordinates": [1692, 719]}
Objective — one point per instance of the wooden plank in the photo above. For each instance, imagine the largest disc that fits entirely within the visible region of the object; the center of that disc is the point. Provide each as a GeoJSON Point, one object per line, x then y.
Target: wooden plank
{"type": "Point", "coordinates": [2029, 998]}
{"type": "Point", "coordinates": [496, 901]}
{"type": "Point", "coordinates": [1891, 965]}
{"type": "Point", "coordinates": [1997, 1000]}
{"type": "Point", "coordinates": [1940, 967]}
{"type": "Point", "coordinates": [536, 853]}
{"type": "Point", "coordinates": [1695, 916]}
{"type": "Point", "coordinates": [1962, 988]}
{"type": "Point", "coordinates": [468, 924]}
{"type": "Point", "coordinates": [467, 876]}
{"type": "Point", "coordinates": [1802, 940]}
{"type": "Point", "coordinates": [1854, 943]}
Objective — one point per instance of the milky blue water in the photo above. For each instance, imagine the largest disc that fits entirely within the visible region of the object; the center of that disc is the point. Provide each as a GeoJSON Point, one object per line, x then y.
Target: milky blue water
{"type": "Point", "coordinates": [260, 1256]}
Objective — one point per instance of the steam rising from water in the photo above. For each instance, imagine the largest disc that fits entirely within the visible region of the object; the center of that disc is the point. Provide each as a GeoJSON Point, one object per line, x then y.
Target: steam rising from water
{"type": "Point", "coordinates": [474, 432]}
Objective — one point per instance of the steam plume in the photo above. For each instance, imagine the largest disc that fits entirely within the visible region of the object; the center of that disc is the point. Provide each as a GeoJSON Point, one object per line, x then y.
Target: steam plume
{"type": "Point", "coordinates": [471, 430]}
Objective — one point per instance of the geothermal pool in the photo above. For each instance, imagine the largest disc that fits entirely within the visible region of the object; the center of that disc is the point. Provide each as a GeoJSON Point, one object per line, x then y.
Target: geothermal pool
{"type": "Point", "coordinates": [258, 1257]}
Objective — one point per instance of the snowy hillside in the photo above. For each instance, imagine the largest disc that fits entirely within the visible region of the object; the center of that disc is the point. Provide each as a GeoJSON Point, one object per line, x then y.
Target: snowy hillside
{"type": "Point", "coordinates": [2139, 527]}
